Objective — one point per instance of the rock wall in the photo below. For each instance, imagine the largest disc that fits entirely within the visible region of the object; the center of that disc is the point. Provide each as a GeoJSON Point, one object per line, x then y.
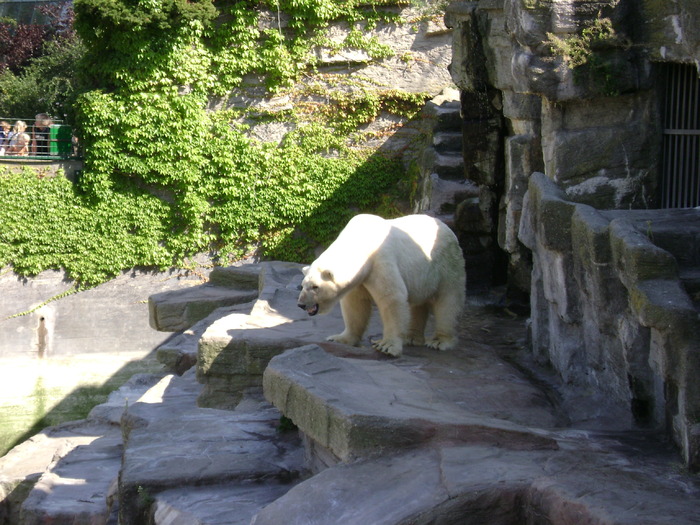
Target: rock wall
{"type": "Point", "coordinates": [615, 302]}
{"type": "Point", "coordinates": [670, 30]}
{"type": "Point", "coordinates": [571, 90]}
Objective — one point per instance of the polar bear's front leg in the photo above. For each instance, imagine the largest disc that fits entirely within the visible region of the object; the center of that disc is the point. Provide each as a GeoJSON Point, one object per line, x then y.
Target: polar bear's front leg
{"type": "Point", "coordinates": [416, 328]}
{"type": "Point", "coordinates": [356, 306]}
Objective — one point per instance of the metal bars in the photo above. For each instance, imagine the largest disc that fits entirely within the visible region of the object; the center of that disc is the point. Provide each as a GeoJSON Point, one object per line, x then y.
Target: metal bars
{"type": "Point", "coordinates": [680, 177]}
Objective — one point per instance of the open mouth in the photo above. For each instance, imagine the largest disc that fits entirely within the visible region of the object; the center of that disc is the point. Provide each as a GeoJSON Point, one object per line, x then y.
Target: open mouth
{"type": "Point", "coordinates": [312, 310]}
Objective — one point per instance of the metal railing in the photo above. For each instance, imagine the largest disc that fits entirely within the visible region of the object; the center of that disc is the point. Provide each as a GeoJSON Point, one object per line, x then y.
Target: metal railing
{"type": "Point", "coordinates": [680, 176]}
{"type": "Point", "coordinates": [54, 142]}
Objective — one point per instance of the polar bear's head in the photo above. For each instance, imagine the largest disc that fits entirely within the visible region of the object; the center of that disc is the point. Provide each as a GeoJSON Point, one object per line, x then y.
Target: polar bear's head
{"type": "Point", "coordinates": [319, 291]}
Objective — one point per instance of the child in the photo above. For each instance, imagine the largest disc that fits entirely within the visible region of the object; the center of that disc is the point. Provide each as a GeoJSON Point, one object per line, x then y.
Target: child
{"type": "Point", "coordinates": [19, 142]}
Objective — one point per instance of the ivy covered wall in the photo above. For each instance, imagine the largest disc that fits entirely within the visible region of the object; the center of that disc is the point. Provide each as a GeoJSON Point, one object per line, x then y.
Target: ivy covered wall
{"type": "Point", "coordinates": [178, 94]}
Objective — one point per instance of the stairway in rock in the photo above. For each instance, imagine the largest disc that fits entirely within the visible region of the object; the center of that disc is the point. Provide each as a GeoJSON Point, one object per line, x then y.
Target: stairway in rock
{"type": "Point", "coordinates": [450, 437]}
{"type": "Point", "coordinates": [442, 164]}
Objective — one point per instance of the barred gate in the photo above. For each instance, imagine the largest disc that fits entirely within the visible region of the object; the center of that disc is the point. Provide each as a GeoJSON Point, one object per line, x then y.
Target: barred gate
{"type": "Point", "coordinates": [680, 173]}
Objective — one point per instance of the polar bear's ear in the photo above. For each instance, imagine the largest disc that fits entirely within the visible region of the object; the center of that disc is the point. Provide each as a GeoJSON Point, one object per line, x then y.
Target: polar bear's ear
{"type": "Point", "coordinates": [305, 269]}
{"type": "Point", "coordinates": [327, 275]}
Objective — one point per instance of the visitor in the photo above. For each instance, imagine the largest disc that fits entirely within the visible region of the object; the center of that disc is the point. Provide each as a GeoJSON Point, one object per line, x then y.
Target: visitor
{"type": "Point", "coordinates": [40, 136]}
{"type": "Point", "coordinates": [5, 135]}
{"type": "Point", "coordinates": [20, 141]}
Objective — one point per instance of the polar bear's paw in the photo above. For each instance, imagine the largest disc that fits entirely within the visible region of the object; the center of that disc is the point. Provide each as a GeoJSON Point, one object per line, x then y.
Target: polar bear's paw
{"type": "Point", "coordinates": [442, 344]}
{"type": "Point", "coordinates": [388, 346]}
{"type": "Point", "coordinates": [343, 339]}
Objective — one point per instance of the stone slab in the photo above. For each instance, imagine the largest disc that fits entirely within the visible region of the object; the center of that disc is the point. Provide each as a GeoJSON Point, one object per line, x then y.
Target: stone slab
{"type": "Point", "coordinates": [481, 485]}
{"type": "Point", "coordinates": [118, 401]}
{"type": "Point", "coordinates": [29, 462]}
{"type": "Point", "coordinates": [233, 504]}
{"type": "Point", "coordinates": [76, 488]}
{"type": "Point", "coordinates": [171, 443]}
{"type": "Point", "coordinates": [177, 310]}
{"type": "Point", "coordinates": [358, 408]}
{"type": "Point", "coordinates": [241, 277]}
{"type": "Point", "coordinates": [179, 353]}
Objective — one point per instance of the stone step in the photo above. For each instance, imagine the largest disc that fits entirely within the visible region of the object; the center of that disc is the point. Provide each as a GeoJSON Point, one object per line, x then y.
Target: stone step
{"type": "Point", "coordinates": [359, 407]}
{"type": "Point", "coordinates": [178, 310]}
{"type": "Point", "coordinates": [78, 487]}
{"type": "Point", "coordinates": [23, 466]}
{"type": "Point", "coordinates": [226, 504]}
{"type": "Point", "coordinates": [449, 166]}
{"type": "Point", "coordinates": [179, 353]}
{"type": "Point", "coordinates": [243, 277]}
{"type": "Point", "coordinates": [448, 118]}
{"type": "Point", "coordinates": [67, 470]}
{"type": "Point", "coordinates": [446, 110]}
{"type": "Point", "coordinates": [171, 443]}
{"type": "Point", "coordinates": [448, 142]}
{"type": "Point", "coordinates": [690, 277]}
{"type": "Point", "coordinates": [112, 410]}
{"type": "Point", "coordinates": [441, 197]}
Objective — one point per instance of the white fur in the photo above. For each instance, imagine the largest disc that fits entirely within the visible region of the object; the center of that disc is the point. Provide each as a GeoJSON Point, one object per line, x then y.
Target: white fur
{"type": "Point", "coordinates": [407, 266]}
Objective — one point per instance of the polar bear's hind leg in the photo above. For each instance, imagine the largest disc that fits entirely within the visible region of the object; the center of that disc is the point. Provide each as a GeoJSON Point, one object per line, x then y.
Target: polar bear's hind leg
{"type": "Point", "coordinates": [447, 310]}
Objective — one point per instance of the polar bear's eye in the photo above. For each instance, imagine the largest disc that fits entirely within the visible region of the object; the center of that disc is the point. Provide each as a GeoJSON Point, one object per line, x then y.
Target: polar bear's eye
{"type": "Point", "coordinates": [314, 287]}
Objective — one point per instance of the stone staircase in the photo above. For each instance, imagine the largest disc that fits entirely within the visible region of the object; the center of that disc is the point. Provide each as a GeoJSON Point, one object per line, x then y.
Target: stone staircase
{"type": "Point", "coordinates": [442, 173]}
{"type": "Point", "coordinates": [458, 184]}
{"type": "Point", "coordinates": [431, 437]}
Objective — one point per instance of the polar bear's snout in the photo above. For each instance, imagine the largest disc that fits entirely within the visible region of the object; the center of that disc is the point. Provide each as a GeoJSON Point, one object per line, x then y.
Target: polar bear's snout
{"type": "Point", "coordinates": [311, 310]}
{"type": "Point", "coordinates": [307, 302]}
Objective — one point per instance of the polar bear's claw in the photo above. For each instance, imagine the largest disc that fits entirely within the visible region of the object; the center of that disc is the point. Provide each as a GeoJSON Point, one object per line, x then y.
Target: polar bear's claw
{"type": "Point", "coordinates": [387, 347]}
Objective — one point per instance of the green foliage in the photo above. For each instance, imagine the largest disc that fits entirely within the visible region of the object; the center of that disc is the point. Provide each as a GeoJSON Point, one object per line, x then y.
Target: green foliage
{"type": "Point", "coordinates": [587, 54]}
{"type": "Point", "coordinates": [45, 224]}
{"type": "Point", "coordinates": [165, 178]}
{"type": "Point", "coordinates": [577, 50]}
{"type": "Point", "coordinates": [347, 112]}
{"type": "Point", "coordinates": [142, 46]}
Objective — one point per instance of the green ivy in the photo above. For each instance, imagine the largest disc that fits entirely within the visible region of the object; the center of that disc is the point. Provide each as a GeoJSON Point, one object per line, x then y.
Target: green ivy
{"type": "Point", "coordinates": [47, 224]}
{"type": "Point", "coordinates": [165, 178]}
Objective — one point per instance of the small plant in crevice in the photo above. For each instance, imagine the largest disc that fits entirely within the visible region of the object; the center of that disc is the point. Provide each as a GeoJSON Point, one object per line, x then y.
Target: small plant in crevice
{"type": "Point", "coordinates": [589, 55]}
{"type": "Point", "coordinates": [578, 50]}
{"type": "Point", "coordinates": [286, 425]}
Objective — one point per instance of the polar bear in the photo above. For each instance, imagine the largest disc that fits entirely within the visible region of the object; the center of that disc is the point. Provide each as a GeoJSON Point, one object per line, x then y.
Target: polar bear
{"type": "Point", "coordinates": [407, 266]}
